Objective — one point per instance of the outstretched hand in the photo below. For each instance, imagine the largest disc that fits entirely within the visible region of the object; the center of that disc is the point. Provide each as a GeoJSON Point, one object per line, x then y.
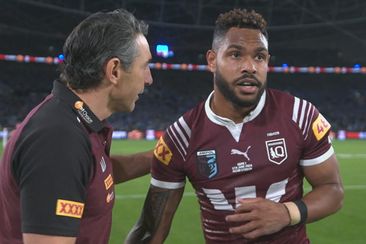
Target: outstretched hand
{"type": "Point", "coordinates": [259, 217]}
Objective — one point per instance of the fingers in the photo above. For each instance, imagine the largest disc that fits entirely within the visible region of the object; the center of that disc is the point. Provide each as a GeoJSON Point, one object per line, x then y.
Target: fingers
{"type": "Point", "coordinates": [249, 230]}
{"type": "Point", "coordinates": [242, 217]}
{"type": "Point", "coordinates": [257, 217]}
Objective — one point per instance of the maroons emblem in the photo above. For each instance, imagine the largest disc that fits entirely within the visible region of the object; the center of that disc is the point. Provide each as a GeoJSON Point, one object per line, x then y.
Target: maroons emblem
{"type": "Point", "coordinates": [206, 163]}
{"type": "Point", "coordinates": [276, 150]}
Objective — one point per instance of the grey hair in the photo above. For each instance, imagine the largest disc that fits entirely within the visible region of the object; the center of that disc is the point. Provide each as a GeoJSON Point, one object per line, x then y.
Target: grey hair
{"type": "Point", "coordinates": [96, 40]}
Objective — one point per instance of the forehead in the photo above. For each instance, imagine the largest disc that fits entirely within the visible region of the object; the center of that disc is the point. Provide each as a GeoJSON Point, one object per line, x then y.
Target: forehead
{"type": "Point", "coordinates": [245, 37]}
{"type": "Point", "coordinates": [143, 47]}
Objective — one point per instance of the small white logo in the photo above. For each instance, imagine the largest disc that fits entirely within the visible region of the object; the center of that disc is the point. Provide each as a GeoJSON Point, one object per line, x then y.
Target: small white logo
{"type": "Point", "coordinates": [103, 165]}
{"type": "Point", "coordinates": [245, 154]}
{"type": "Point", "coordinates": [274, 133]}
{"type": "Point", "coordinates": [276, 150]}
{"type": "Point", "coordinates": [241, 166]}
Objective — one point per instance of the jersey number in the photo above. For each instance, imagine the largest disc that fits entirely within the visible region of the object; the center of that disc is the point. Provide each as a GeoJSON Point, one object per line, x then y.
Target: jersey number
{"type": "Point", "coordinates": [218, 200]}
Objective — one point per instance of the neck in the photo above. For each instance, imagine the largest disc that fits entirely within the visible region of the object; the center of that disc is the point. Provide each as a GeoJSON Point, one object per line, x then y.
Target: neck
{"type": "Point", "coordinates": [224, 108]}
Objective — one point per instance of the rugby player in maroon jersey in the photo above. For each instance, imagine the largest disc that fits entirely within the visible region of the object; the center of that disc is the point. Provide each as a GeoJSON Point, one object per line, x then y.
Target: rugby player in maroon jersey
{"type": "Point", "coordinates": [245, 150]}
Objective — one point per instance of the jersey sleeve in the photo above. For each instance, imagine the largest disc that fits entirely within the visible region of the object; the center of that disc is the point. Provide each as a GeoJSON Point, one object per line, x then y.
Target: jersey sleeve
{"type": "Point", "coordinates": [315, 131]}
{"type": "Point", "coordinates": [169, 156]}
{"type": "Point", "coordinates": [53, 173]}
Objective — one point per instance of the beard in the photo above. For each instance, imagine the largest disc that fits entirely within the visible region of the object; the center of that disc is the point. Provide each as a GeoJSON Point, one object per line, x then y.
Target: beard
{"type": "Point", "coordinates": [229, 93]}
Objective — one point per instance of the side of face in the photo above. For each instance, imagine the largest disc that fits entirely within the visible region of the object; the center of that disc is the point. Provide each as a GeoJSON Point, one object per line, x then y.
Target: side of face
{"type": "Point", "coordinates": [130, 83]}
{"type": "Point", "coordinates": [240, 66]}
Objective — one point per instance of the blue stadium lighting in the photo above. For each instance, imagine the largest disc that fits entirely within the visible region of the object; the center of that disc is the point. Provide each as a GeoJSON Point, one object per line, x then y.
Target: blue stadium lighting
{"type": "Point", "coordinates": [284, 65]}
{"type": "Point", "coordinates": [162, 50]}
{"type": "Point", "coordinates": [61, 57]}
{"type": "Point", "coordinates": [357, 66]}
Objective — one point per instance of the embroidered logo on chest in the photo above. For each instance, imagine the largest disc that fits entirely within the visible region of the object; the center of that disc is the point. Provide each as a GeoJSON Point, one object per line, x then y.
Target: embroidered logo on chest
{"type": "Point", "coordinates": [276, 150]}
{"type": "Point", "coordinates": [206, 163]}
{"type": "Point", "coordinates": [242, 166]}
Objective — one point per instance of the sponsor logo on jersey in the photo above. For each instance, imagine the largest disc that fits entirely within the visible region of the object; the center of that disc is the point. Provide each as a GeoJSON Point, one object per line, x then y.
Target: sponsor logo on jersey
{"type": "Point", "coordinates": [69, 208]}
{"type": "Point", "coordinates": [242, 166]}
{"type": "Point", "coordinates": [82, 112]}
{"type": "Point", "coordinates": [102, 164]}
{"type": "Point", "coordinates": [162, 152]}
{"type": "Point", "coordinates": [206, 163]}
{"type": "Point", "coordinates": [276, 150]}
{"type": "Point", "coordinates": [109, 197]}
{"type": "Point", "coordinates": [320, 127]}
{"type": "Point", "coordinates": [108, 182]}
{"type": "Point", "coordinates": [274, 133]}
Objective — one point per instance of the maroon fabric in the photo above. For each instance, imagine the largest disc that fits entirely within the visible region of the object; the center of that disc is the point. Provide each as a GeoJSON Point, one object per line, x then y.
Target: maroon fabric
{"type": "Point", "coordinates": [264, 162]}
{"type": "Point", "coordinates": [57, 153]}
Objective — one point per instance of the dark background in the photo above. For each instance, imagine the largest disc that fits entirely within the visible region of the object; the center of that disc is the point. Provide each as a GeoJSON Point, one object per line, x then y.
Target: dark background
{"type": "Point", "coordinates": [302, 33]}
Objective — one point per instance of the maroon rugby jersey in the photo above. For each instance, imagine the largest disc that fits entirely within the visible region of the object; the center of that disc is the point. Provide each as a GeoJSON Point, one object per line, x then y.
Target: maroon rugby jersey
{"type": "Point", "coordinates": [55, 175]}
{"type": "Point", "coordinates": [261, 157]}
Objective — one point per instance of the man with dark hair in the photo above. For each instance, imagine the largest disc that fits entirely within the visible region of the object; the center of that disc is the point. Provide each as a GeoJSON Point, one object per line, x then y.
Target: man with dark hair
{"type": "Point", "coordinates": [246, 151]}
{"type": "Point", "coordinates": [56, 176]}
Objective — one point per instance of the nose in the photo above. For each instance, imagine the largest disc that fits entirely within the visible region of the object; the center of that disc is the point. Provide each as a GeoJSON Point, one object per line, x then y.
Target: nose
{"type": "Point", "coordinates": [248, 66]}
{"type": "Point", "coordinates": [148, 78]}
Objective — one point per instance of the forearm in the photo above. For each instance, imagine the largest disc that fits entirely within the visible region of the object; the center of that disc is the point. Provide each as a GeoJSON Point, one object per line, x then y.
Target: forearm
{"type": "Point", "coordinates": [156, 217]}
{"type": "Point", "coordinates": [323, 200]}
{"type": "Point", "coordinates": [127, 167]}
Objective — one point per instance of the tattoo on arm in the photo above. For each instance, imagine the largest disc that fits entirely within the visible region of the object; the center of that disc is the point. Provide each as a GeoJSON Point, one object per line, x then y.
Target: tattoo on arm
{"type": "Point", "coordinates": [154, 210]}
{"type": "Point", "coordinates": [157, 214]}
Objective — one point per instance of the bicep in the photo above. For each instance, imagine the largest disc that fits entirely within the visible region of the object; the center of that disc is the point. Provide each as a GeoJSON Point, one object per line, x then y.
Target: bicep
{"type": "Point", "coordinates": [29, 238]}
{"type": "Point", "coordinates": [324, 173]}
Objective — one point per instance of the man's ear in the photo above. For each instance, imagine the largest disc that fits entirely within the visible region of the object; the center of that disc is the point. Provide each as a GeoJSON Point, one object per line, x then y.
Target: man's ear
{"type": "Point", "coordinates": [113, 70]}
{"type": "Point", "coordinates": [211, 60]}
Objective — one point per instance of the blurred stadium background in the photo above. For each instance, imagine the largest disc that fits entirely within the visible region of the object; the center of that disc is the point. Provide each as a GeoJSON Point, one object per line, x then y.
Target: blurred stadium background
{"type": "Point", "coordinates": [318, 53]}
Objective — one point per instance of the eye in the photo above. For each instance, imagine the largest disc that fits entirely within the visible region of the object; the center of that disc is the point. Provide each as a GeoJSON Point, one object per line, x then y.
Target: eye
{"type": "Point", "coordinates": [235, 54]}
{"type": "Point", "coordinates": [261, 57]}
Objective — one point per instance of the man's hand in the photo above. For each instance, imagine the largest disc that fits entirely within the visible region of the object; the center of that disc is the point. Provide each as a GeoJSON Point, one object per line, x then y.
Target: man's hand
{"type": "Point", "coordinates": [259, 217]}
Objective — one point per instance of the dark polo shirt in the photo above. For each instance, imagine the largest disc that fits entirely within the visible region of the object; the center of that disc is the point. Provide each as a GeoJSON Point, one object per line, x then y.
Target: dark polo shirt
{"type": "Point", "coordinates": [56, 175]}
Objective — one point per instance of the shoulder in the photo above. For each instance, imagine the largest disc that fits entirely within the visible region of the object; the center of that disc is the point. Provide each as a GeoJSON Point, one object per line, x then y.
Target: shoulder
{"type": "Point", "coordinates": [53, 128]}
{"type": "Point", "coordinates": [298, 110]}
{"type": "Point", "coordinates": [178, 134]}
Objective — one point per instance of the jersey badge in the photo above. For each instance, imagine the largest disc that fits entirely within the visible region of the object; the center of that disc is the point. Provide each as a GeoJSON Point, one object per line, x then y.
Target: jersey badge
{"type": "Point", "coordinates": [79, 106]}
{"type": "Point", "coordinates": [162, 152]}
{"type": "Point", "coordinates": [103, 164]}
{"type": "Point", "coordinates": [69, 208]}
{"type": "Point", "coordinates": [109, 197]}
{"type": "Point", "coordinates": [108, 182]}
{"type": "Point", "coordinates": [207, 164]}
{"type": "Point", "coordinates": [320, 127]}
{"type": "Point", "coordinates": [242, 166]}
{"type": "Point", "coordinates": [276, 150]}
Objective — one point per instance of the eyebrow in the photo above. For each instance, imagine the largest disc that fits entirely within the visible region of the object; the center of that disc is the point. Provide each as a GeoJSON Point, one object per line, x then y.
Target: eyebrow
{"type": "Point", "coordinates": [239, 47]}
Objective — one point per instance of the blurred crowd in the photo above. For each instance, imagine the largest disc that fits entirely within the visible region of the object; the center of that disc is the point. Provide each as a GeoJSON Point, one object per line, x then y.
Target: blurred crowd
{"type": "Point", "coordinates": [340, 98]}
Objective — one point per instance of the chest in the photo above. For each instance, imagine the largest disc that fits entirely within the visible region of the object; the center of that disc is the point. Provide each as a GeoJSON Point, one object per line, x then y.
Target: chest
{"type": "Point", "coordinates": [263, 158]}
{"type": "Point", "coordinates": [100, 193]}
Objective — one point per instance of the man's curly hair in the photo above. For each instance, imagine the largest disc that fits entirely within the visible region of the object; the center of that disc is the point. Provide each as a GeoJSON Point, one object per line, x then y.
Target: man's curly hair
{"type": "Point", "coordinates": [240, 18]}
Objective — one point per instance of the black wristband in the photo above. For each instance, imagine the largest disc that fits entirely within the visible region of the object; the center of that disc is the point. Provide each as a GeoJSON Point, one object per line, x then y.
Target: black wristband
{"type": "Point", "coordinates": [303, 211]}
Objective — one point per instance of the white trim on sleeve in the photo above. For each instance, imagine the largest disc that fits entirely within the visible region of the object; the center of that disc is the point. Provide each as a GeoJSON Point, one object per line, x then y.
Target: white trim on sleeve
{"type": "Point", "coordinates": [318, 160]}
{"type": "Point", "coordinates": [167, 185]}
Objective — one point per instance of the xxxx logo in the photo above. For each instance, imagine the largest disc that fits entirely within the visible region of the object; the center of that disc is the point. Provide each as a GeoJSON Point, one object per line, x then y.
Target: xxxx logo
{"type": "Point", "coordinates": [162, 152]}
{"type": "Point", "coordinates": [108, 182]}
{"type": "Point", "coordinates": [69, 208]}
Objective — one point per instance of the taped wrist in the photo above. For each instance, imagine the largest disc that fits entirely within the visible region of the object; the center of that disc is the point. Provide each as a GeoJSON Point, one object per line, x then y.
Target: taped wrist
{"type": "Point", "coordinates": [298, 212]}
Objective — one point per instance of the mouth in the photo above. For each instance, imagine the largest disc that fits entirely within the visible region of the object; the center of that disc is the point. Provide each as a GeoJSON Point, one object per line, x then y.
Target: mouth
{"type": "Point", "coordinates": [247, 82]}
{"type": "Point", "coordinates": [248, 85]}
